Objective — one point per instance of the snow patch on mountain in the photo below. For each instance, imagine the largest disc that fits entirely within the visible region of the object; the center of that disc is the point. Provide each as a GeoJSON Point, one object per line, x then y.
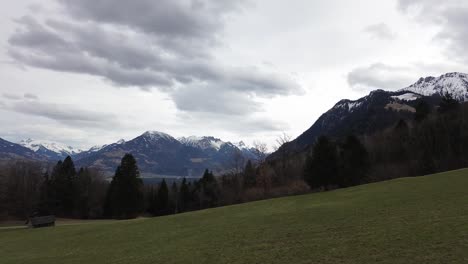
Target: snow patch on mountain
{"type": "Point", "coordinates": [347, 105]}
{"type": "Point", "coordinates": [406, 97]}
{"type": "Point", "coordinates": [202, 142]}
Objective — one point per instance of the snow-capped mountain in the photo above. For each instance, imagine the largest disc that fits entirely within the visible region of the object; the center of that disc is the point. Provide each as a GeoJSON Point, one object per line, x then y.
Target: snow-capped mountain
{"type": "Point", "coordinates": [161, 154]}
{"type": "Point", "coordinates": [10, 150]}
{"type": "Point", "coordinates": [49, 149]}
{"type": "Point", "coordinates": [453, 83]}
{"type": "Point", "coordinates": [380, 109]}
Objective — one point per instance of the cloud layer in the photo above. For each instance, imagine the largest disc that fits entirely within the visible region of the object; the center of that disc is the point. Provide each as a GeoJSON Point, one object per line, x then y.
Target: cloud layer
{"type": "Point", "coordinates": [165, 45]}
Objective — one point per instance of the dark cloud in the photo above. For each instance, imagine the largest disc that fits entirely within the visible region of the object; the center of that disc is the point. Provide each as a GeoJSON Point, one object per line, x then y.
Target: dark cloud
{"type": "Point", "coordinates": [380, 31]}
{"type": "Point", "coordinates": [380, 76]}
{"type": "Point", "coordinates": [450, 16]}
{"type": "Point", "coordinates": [196, 19]}
{"type": "Point", "coordinates": [31, 96]}
{"type": "Point", "coordinates": [10, 96]}
{"type": "Point", "coordinates": [148, 44]}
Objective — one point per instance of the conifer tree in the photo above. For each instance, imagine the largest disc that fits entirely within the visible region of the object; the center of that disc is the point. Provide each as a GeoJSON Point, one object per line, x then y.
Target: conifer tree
{"type": "Point", "coordinates": [63, 187]}
{"type": "Point", "coordinates": [125, 195]}
{"type": "Point", "coordinates": [249, 175]}
{"type": "Point", "coordinates": [448, 104]}
{"type": "Point", "coordinates": [163, 199]}
{"type": "Point", "coordinates": [208, 190]}
{"type": "Point", "coordinates": [354, 162]}
{"type": "Point", "coordinates": [321, 169]}
{"type": "Point", "coordinates": [423, 109]}
{"type": "Point", "coordinates": [184, 196]}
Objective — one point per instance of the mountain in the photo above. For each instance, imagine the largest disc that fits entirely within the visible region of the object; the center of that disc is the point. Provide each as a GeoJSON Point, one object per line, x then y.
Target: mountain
{"type": "Point", "coordinates": [453, 83]}
{"type": "Point", "coordinates": [10, 150]}
{"type": "Point", "coordinates": [158, 153]}
{"type": "Point", "coordinates": [378, 110]}
{"type": "Point", "coordinates": [50, 150]}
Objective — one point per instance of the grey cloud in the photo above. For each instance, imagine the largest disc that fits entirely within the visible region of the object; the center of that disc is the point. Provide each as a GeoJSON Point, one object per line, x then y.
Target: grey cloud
{"type": "Point", "coordinates": [31, 96]}
{"type": "Point", "coordinates": [380, 76]}
{"type": "Point", "coordinates": [212, 99]}
{"type": "Point", "coordinates": [450, 16]}
{"type": "Point", "coordinates": [10, 96]}
{"type": "Point", "coordinates": [381, 31]}
{"type": "Point", "coordinates": [65, 114]}
{"type": "Point", "coordinates": [137, 51]}
{"type": "Point", "coordinates": [244, 126]}
{"type": "Point", "coordinates": [196, 19]}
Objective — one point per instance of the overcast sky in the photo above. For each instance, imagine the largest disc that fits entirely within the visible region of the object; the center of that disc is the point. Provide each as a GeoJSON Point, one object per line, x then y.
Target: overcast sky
{"type": "Point", "coordinates": [89, 72]}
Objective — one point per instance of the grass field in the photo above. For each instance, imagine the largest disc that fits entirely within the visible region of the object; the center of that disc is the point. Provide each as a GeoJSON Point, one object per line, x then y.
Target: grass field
{"type": "Point", "coordinates": [408, 220]}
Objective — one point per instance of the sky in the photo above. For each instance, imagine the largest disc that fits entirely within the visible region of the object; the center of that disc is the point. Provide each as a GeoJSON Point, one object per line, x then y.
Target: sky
{"type": "Point", "coordinates": [91, 72]}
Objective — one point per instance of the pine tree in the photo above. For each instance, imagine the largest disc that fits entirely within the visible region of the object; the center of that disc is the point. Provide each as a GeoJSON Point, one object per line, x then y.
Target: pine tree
{"type": "Point", "coordinates": [174, 206]}
{"type": "Point", "coordinates": [163, 199]}
{"type": "Point", "coordinates": [354, 161]}
{"type": "Point", "coordinates": [448, 104]}
{"type": "Point", "coordinates": [63, 187]}
{"type": "Point", "coordinates": [321, 169]}
{"type": "Point", "coordinates": [184, 196]}
{"type": "Point", "coordinates": [423, 109]}
{"type": "Point", "coordinates": [249, 175]}
{"type": "Point", "coordinates": [125, 196]}
{"type": "Point", "coordinates": [208, 190]}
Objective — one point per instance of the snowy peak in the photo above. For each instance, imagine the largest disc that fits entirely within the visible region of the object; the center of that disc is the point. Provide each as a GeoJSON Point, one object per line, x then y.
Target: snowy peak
{"type": "Point", "coordinates": [453, 83]}
{"type": "Point", "coordinates": [156, 136]}
{"type": "Point", "coordinates": [99, 147]}
{"type": "Point", "coordinates": [202, 142]}
{"type": "Point", "coordinates": [42, 146]}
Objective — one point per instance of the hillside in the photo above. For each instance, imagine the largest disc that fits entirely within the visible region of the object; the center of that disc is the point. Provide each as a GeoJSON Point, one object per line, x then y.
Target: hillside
{"type": "Point", "coordinates": [408, 220]}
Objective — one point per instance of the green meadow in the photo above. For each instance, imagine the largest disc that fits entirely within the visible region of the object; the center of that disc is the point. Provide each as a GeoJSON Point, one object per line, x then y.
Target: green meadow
{"type": "Point", "coordinates": [407, 220]}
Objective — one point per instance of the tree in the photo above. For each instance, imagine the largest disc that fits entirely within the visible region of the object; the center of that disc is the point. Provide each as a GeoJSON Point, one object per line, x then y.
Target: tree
{"type": "Point", "coordinates": [423, 109]}
{"type": "Point", "coordinates": [283, 167]}
{"type": "Point", "coordinates": [125, 195]}
{"type": "Point", "coordinates": [184, 196]}
{"type": "Point", "coordinates": [174, 198]}
{"type": "Point", "coordinates": [447, 104]}
{"type": "Point", "coordinates": [238, 161]}
{"type": "Point", "coordinates": [208, 190]}
{"type": "Point", "coordinates": [260, 151]}
{"type": "Point", "coordinates": [354, 161]}
{"type": "Point", "coordinates": [321, 167]}
{"type": "Point", "coordinates": [63, 187]}
{"type": "Point", "coordinates": [162, 205]}
{"type": "Point", "coordinates": [249, 175]}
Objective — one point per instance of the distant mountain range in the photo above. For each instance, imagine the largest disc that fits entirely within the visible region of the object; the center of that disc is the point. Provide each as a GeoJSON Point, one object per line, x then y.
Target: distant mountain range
{"type": "Point", "coordinates": [378, 110]}
{"type": "Point", "coordinates": [157, 153]}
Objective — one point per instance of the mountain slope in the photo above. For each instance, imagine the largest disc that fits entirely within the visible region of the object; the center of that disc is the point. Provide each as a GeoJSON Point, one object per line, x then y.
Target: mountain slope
{"type": "Point", "coordinates": [408, 220]}
{"type": "Point", "coordinates": [378, 110]}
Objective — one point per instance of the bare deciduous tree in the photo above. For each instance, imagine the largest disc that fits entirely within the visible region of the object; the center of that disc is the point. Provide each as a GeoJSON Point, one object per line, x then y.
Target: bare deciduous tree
{"type": "Point", "coordinates": [260, 151]}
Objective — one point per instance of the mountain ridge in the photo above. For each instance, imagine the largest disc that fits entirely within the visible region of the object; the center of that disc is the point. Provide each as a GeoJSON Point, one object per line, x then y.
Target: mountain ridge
{"type": "Point", "coordinates": [378, 110]}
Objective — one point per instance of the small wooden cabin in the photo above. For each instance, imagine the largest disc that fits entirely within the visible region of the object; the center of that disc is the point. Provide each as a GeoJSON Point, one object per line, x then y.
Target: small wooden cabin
{"type": "Point", "coordinates": [42, 221]}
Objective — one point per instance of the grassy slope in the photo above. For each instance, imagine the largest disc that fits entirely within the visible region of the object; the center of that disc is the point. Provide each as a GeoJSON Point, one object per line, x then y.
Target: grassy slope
{"type": "Point", "coordinates": [409, 220]}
